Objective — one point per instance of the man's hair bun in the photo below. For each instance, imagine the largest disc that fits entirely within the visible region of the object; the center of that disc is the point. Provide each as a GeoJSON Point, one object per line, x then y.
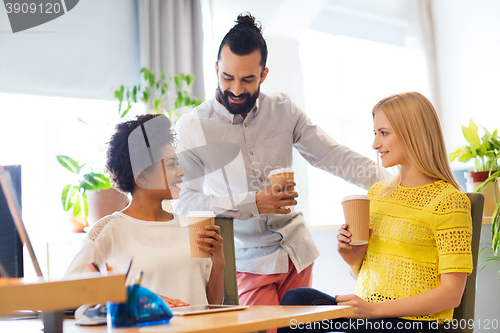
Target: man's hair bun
{"type": "Point", "coordinates": [248, 20]}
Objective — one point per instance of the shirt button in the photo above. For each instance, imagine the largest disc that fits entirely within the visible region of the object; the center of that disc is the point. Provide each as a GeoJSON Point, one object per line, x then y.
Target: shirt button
{"type": "Point", "coordinates": [251, 215]}
{"type": "Point", "coordinates": [230, 121]}
{"type": "Point", "coordinates": [260, 180]}
{"type": "Point", "coordinates": [270, 227]}
{"type": "Point", "coordinates": [251, 152]}
{"type": "Point", "coordinates": [245, 124]}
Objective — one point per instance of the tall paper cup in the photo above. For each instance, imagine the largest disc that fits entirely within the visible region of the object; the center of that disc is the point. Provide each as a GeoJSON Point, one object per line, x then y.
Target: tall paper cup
{"type": "Point", "coordinates": [357, 218]}
{"type": "Point", "coordinates": [278, 175]}
{"type": "Point", "coordinates": [197, 222]}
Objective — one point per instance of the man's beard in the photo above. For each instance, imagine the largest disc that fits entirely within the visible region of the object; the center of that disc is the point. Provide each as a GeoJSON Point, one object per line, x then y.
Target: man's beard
{"type": "Point", "coordinates": [238, 108]}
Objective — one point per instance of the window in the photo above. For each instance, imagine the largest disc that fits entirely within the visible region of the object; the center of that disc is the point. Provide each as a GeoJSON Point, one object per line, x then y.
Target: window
{"type": "Point", "coordinates": [343, 79]}
{"type": "Point", "coordinates": [34, 129]}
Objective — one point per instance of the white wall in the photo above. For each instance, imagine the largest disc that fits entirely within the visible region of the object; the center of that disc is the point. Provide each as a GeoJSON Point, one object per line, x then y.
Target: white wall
{"type": "Point", "coordinates": [468, 52]}
{"type": "Point", "coordinates": [84, 53]}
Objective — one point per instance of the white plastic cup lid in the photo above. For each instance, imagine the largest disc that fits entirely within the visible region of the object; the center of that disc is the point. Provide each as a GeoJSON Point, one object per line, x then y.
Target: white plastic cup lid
{"type": "Point", "coordinates": [200, 213]}
{"type": "Point", "coordinates": [282, 170]}
{"type": "Point", "coordinates": [355, 197]}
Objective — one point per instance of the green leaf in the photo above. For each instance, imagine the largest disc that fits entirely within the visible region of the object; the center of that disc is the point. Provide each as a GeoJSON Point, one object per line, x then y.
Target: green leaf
{"type": "Point", "coordinates": [69, 164]}
{"type": "Point", "coordinates": [67, 194]}
{"type": "Point", "coordinates": [81, 206]}
{"type": "Point", "coordinates": [147, 74]}
{"type": "Point", "coordinates": [465, 157]}
{"type": "Point", "coordinates": [180, 98]}
{"type": "Point", "coordinates": [178, 82]}
{"type": "Point", "coordinates": [151, 80]}
{"type": "Point", "coordinates": [134, 94]}
{"type": "Point", "coordinates": [124, 113]}
{"type": "Point", "coordinates": [81, 120]}
{"type": "Point", "coordinates": [189, 79]}
{"type": "Point", "coordinates": [103, 181]}
{"type": "Point", "coordinates": [157, 103]}
{"type": "Point", "coordinates": [472, 136]}
{"type": "Point", "coordinates": [145, 95]}
{"type": "Point", "coordinates": [95, 181]}
{"type": "Point", "coordinates": [162, 74]}
{"type": "Point", "coordinates": [495, 143]}
{"type": "Point", "coordinates": [453, 156]}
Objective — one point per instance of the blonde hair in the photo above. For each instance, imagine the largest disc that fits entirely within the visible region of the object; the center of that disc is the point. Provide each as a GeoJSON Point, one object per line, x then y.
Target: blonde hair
{"type": "Point", "coordinates": [416, 125]}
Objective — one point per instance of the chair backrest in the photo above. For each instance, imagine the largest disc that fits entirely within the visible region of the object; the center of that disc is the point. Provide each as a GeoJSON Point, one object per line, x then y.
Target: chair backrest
{"type": "Point", "coordinates": [465, 310]}
{"type": "Point", "coordinates": [230, 282]}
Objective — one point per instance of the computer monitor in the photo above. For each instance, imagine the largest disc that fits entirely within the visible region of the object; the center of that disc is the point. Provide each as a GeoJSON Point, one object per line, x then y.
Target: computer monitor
{"type": "Point", "coordinates": [11, 246]}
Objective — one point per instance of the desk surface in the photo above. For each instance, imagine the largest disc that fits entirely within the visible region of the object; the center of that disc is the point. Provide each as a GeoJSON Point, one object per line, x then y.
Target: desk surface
{"type": "Point", "coordinates": [255, 318]}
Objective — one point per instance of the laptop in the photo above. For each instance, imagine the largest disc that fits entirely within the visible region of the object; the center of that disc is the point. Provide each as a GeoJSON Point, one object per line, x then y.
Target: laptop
{"type": "Point", "coordinates": [202, 309]}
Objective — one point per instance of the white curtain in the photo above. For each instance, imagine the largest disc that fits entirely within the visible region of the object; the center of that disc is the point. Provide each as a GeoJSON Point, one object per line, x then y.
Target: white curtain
{"type": "Point", "coordinates": [429, 43]}
{"type": "Point", "coordinates": [171, 38]}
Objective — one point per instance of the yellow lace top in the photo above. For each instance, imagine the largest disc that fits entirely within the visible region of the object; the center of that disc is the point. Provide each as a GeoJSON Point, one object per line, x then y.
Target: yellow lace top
{"type": "Point", "coordinates": [418, 234]}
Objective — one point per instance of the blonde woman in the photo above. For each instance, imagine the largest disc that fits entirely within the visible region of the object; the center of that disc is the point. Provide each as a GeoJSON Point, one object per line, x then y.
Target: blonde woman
{"type": "Point", "coordinates": [412, 273]}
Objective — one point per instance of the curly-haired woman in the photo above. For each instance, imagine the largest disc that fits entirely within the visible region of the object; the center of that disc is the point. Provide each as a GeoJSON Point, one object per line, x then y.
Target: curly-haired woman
{"type": "Point", "coordinates": [141, 161]}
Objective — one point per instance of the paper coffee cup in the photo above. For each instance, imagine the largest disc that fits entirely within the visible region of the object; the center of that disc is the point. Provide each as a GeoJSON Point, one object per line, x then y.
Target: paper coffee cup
{"type": "Point", "coordinates": [197, 222]}
{"type": "Point", "coordinates": [278, 175]}
{"type": "Point", "coordinates": [357, 218]}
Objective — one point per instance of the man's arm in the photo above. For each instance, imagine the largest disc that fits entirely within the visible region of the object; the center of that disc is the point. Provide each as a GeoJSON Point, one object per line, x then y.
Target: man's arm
{"type": "Point", "coordinates": [241, 206]}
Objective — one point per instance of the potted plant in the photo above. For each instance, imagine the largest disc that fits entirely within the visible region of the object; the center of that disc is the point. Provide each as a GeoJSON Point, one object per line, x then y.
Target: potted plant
{"type": "Point", "coordinates": [94, 185]}
{"type": "Point", "coordinates": [156, 94]}
{"type": "Point", "coordinates": [485, 152]}
{"type": "Point", "coordinates": [495, 218]}
{"type": "Point", "coordinates": [74, 195]}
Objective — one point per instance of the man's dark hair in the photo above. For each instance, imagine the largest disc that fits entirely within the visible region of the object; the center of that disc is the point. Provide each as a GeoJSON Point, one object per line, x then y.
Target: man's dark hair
{"type": "Point", "coordinates": [118, 163]}
{"type": "Point", "coordinates": [245, 37]}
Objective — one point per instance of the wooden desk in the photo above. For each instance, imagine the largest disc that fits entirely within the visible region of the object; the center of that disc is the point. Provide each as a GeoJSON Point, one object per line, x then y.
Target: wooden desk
{"type": "Point", "coordinates": [255, 318]}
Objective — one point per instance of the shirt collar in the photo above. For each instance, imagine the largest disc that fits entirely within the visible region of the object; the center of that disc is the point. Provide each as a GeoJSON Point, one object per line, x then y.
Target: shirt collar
{"type": "Point", "coordinates": [221, 110]}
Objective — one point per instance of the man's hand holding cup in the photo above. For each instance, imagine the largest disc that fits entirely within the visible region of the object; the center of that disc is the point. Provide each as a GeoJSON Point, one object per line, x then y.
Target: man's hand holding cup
{"type": "Point", "coordinates": [280, 197]}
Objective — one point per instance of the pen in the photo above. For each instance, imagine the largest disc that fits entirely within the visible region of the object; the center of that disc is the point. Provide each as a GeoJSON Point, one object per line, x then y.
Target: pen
{"type": "Point", "coordinates": [139, 279]}
{"type": "Point", "coordinates": [135, 287]}
{"type": "Point", "coordinates": [93, 267]}
{"type": "Point", "coordinates": [128, 269]}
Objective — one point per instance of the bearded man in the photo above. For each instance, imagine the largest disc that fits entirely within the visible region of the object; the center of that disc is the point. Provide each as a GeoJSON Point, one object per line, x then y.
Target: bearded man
{"type": "Point", "coordinates": [275, 251]}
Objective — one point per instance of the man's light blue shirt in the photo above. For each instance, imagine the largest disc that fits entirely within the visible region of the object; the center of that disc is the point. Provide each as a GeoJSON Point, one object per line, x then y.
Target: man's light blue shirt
{"type": "Point", "coordinates": [250, 148]}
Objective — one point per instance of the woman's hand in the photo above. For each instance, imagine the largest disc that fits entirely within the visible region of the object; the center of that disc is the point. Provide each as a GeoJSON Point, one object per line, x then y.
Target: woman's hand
{"type": "Point", "coordinates": [172, 302]}
{"type": "Point", "coordinates": [361, 308]}
{"type": "Point", "coordinates": [212, 236]}
{"type": "Point", "coordinates": [352, 254]}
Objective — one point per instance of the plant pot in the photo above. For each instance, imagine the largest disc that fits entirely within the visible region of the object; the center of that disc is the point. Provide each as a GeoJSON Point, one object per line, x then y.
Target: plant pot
{"type": "Point", "coordinates": [76, 223]}
{"type": "Point", "coordinates": [475, 180]}
{"type": "Point", "coordinates": [104, 202]}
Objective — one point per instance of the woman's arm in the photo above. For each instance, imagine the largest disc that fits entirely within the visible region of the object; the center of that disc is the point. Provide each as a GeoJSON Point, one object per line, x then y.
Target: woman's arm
{"type": "Point", "coordinates": [352, 254]}
{"type": "Point", "coordinates": [215, 285]}
{"type": "Point", "coordinates": [447, 295]}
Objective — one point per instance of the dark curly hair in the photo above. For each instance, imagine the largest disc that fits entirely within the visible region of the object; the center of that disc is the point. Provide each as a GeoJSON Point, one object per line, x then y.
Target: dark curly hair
{"type": "Point", "coordinates": [120, 150]}
{"type": "Point", "coordinates": [245, 37]}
